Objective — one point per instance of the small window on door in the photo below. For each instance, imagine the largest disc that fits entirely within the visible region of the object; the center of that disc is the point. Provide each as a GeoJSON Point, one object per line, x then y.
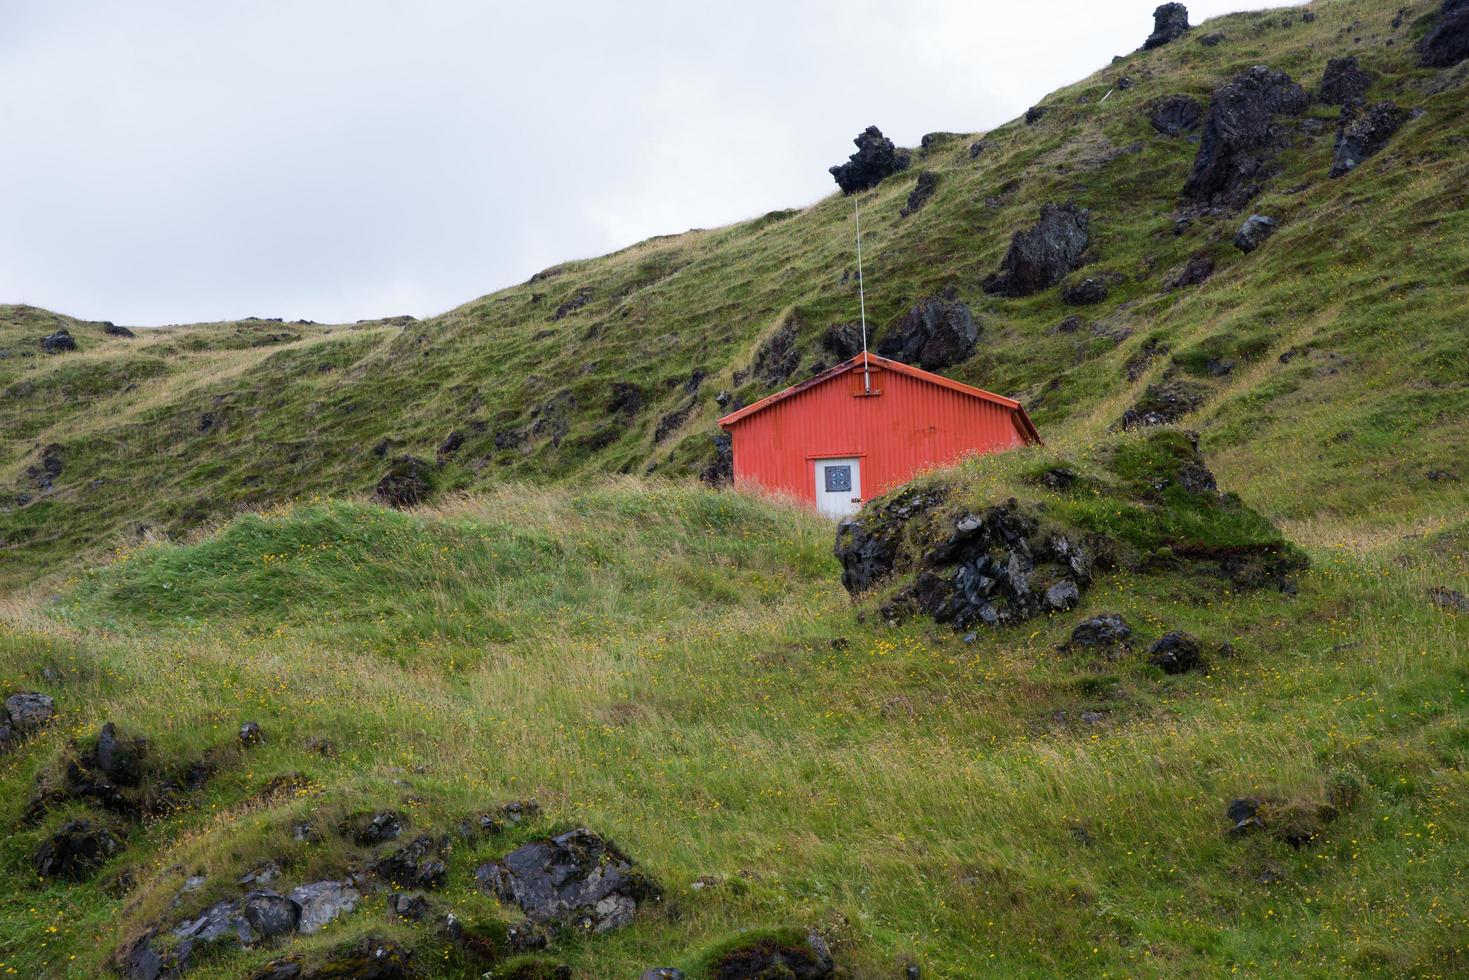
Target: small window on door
{"type": "Point", "coordinates": [839, 479]}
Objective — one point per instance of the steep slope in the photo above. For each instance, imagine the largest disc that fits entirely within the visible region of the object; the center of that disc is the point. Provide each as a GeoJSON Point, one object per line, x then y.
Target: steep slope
{"type": "Point", "coordinates": [1338, 338]}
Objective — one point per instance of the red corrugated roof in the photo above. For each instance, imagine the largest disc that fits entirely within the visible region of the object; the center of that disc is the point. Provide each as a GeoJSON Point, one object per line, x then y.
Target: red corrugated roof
{"type": "Point", "coordinates": [1022, 420]}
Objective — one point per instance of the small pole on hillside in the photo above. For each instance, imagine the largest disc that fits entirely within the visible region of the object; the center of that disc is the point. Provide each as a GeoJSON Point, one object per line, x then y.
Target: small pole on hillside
{"type": "Point", "coordinates": [862, 301]}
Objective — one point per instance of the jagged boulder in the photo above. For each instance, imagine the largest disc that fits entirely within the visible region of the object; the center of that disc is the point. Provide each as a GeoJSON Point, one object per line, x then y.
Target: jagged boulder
{"type": "Point", "coordinates": [1101, 632]}
{"type": "Point", "coordinates": [1174, 115]}
{"type": "Point", "coordinates": [1170, 22]}
{"type": "Point", "coordinates": [937, 333]}
{"type": "Point", "coordinates": [417, 864]}
{"type": "Point", "coordinates": [1363, 133]}
{"type": "Point", "coordinates": [408, 482]}
{"type": "Point", "coordinates": [113, 330]}
{"type": "Point", "coordinates": [876, 158]}
{"type": "Point", "coordinates": [927, 183]}
{"type": "Point", "coordinates": [1447, 41]}
{"type": "Point", "coordinates": [75, 850]}
{"type": "Point", "coordinates": [59, 342]}
{"type": "Point", "coordinates": [1042, 255]}
{"type": "Point", "coordinates": [1254, 231]}
{"type": "Point", "coordinates": [1344, 82]}
{"type": "Point", "coordinates": [1176, 653]}
{"type": "Point", "coordinates": [576, 878]}
{"type": "Point", "coordinates": [1164, 403]}
{"type": "Point", "coordinates": [1239, 142]}
{"type": "Point", "coordinates": [321, 902]}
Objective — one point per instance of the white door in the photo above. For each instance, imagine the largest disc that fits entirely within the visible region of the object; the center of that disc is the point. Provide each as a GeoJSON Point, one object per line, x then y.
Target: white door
{"type": "Point", "coordinates": [838, 486]}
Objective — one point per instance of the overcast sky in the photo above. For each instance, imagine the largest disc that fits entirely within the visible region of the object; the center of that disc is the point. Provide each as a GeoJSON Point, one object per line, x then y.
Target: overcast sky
{"type": "Point", "coordinates": [196, 160]}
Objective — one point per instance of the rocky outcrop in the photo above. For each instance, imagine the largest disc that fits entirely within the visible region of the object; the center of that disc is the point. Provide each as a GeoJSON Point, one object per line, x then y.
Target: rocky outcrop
{"type": "Point", "coordinates": [1164, 403]}
{"type": "Point", "coordinates": [842, 340]}
{"type": "Point", "coordinates": [1034, 114]}
{"type": "Point", "coordinates": [876, 158]}
{"type": "Point", "coordinates": [22, 715]}
{"type": "Point", "coordinates": [407, 483]}
{"type": "Point", "coordinates": [1174, 115]}
{"type": "Point", "coordinates": [577, 879]}
{"type": "Point", "coordinates": [1084, 293]}
{"type": "Point", "coordinates": [1363, 133]}
{"type": "Point", "coordinates": [719, 471]}
{"type": "Point", "coordinates": [1176, 653]}
{"type": "Point", "coordinates": [75, 851]}
{"type": "Point", "coordinates": [1239, 142]}
{"type": "Point", "coordinates": [417, 864]}
{"type": "Point", "coordinates": [937, 333]}
{"type": "Point", "coordinates": [1447, 41]}
{"type": "Point", "coordinates": [928, 182]}
{"type": "Point", "coordinates": [1170, 22]}
{"type": "Point", "coordinates": [1042, 255]}
{"type": "Point", "coordinates": [1344, 82]}
{"type": "Point", "coordinates": [59, 342]}
{"type": "Point", "coordinates": [113, 330]}
{"type": "Point", "coordinates": [43, 474]}
{"type": "Point", "coordinates": [787, 955]}
{"type": "Point", "coordinates": [1254, 231]}
{"type": "Point", "coordinates": [778, 357]}
{"type": "Point", "coordinates": [372, 827]}
{"type": "Point", "coordinates": [1104, 632]}
{"type": "Point", "coordinates": [322, 902]}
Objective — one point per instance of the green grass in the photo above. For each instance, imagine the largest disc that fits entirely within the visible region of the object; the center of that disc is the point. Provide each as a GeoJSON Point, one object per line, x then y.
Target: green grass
{"type": "Point", "coordinates": [571, 619]}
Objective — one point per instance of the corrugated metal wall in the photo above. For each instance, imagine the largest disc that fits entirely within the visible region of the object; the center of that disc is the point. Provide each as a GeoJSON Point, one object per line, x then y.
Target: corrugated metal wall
{"type": "Point", "coordinates": [911, 426]}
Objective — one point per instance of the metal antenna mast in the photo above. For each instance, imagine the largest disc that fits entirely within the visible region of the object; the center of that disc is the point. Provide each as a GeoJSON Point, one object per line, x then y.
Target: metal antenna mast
{"type": "Point", "coordinates": [862, 301]}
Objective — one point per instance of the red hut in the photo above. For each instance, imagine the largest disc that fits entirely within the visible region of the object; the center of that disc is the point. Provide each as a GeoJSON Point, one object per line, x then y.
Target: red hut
{"type": "Point", "coordinates": [863, 427]}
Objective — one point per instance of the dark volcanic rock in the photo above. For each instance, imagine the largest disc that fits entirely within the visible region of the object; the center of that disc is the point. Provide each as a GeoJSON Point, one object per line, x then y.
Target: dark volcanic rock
{"type": "Point", "coordinates": [271, 915]}
{"type": "Point", "coordinates": [1253, 232]}
{"type": "Point", "coordinates": [1363, 134]}
{"type": "Point", "coordinates": [1084, 293]}
{"type": "Point", "coordinates": [1041, 256]}
{"type": "Point", "coordinates": [999, 566]}
{"type": "Point", "coordinates": [221, 921]}
{"type": "Point", "coordinates": [251, 734]}
{"type": "Point", "coordinates": [1344, 82]}
{"type": "Point", "coordinates": [1100, 632]}
{"type": "Point", "coordinates": [875, 159]}
{"type": "Point", "coordinates": [581, 298]}
{"type": "Point", "coordinates": [1447, 42]}
{"type": "Point", "coordinates": [1174, 115]}
{"type": "Point", "coordinates": [627, 399]}
{"type": "Point", "coordinates": [1176, 653]}
{"type": "Point", "coordinates": [977, 147]}
{"type": "Point", "coordinates": [368, 958]}
{"type": "Point", "coordinates": [663, 973]}
{"type": "Point", "coordinates": [451, 445]}
{"type": "Point", "coordinates": [76, 850]}
{"type": "Point", "coordinates": [576, 878]}
{"type": "Point", "coordinates": [1164, 403]}
{"type": "Point", "coordinates": [1200, 267]}
{"type": "Point", "coordinates": [118, 758]}
{"type": "Point", "coordinates": [417, 864]}
{"type": "Point", "coordinates": [409, 906]}
{"type": "Point", "coordinates": [113, 330]}
{"type": "Point", "coordinates": [44, 473]}
{"type": "Point", "coordinates": [1210, 40]}
{"type": "Point", "coordinates": [928, 182]}
{"type": "Point", "coordinates": [27, 712]}
{"type": "Point", "coordinates": [783, 956]}
{"type": "Point", "coordinates": [1170, 22]}
{"type": "Point", "coordinates": [1239, 143]}
{"type": "Point", "coordinates": [935, 334]}
{"type": "Point", "coordinates": [719, 472]}
{"type": "Point", "coordinates": [842, 340]}
{"type": "Point", "coordinates": [406, 483]}
{"type": "Point", "coordinates": [1034, 113]}
{"type": "Point", "coordinates": [778, 357]}
{"type": "Point", "coordinates": [368, 828]}
{"type": "Point", "coordinates": [59, 342]}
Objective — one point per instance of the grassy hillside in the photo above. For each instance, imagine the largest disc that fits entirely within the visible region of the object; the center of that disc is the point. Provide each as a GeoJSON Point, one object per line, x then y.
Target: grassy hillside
{"type": "Point", "coordinates": [1364, 282]}
{"type": "Point", "coordinates": [187, 545]}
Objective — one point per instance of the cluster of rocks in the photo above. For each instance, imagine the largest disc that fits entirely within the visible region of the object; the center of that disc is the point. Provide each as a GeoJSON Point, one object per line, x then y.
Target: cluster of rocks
{"type": "Point", "coordinates": [937, 333]}
{"type": "Point", "coordinates": [997, 566]}
{"type": "Point", "coordinates": [876, 159]}
{"type": "Point", "coordinates": [576, 879]}
{"type": "Point", "coordinates": [1110, 635]}
{"type": "Point", "coordinates": [1239, 141]}
{"type": "Point", "coordinates": [1163, 403]}
{"type": "Point", "coordinates": [1041, 256]}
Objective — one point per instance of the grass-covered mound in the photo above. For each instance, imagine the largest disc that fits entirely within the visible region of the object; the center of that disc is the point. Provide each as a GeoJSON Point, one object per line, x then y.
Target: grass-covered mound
{"type": "Point", "coordinates": [773, 758]}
